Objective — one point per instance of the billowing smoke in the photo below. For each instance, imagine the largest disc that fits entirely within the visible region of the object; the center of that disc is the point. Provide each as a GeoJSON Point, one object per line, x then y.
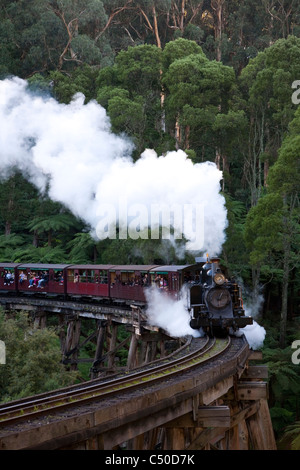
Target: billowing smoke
{"type": "Point", "coordinates": [169, 314]}
{"type": "Point", "coordinates": [255, 333]}
{"type": "Point", "coordinates": [90, 170]}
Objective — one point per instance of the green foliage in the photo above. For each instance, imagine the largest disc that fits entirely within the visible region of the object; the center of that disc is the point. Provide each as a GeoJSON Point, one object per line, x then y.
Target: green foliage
{"type": "Point", "coordinates": [234, 253]}
{"type": "Point", "coordinates": [179, 49]}
{"type": "Point", "coordinates": [81, 80]}
{"type": "Point", "coordinates": [32, 359]}
{"type": "Point", "coordinates": [293, 432]}
{"type": "Point", "coordinates": [82, 248]}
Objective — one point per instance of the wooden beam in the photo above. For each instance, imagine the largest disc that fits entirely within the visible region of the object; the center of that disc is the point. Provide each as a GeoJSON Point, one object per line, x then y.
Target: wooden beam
{"type": "Point", "coordinates": [210, 434]}
{"type": "Point", "coordinates": [174, 439]}
{"type": "Point", "coordinates": [261, 430]}
{"type": "Point", "coordinates": [112, 345]}
{"type": "Point", "coordinates": [252, 390]}
{"type": "Point", "coordinates": [208, 416]}
{"type": "Point", "coordinates": [213, 416]}
{"type": "Point", "coordinates": [245, 413]}
{"type": "Point", "coordinates": [205, 437]}
{"type": "Point", "coordinates": [255, 372]}
{"type": "Point", "coordinates": [132, 355]}
{"type": "Point", "coordinates": [255, 356]}
{"type": "Point", "coordinates": [212, 394]}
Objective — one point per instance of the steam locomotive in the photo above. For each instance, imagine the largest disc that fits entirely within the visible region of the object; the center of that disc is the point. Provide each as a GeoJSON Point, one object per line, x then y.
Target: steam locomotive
{"type": "Point", "coordinates": [214, 303]}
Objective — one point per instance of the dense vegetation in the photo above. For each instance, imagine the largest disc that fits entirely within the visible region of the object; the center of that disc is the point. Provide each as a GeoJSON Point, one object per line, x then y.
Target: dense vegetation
{"type": "Point", "coordinates": [211, 77]}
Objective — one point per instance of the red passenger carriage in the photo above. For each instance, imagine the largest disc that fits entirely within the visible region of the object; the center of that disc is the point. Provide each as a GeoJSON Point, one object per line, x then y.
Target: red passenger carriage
{"type": "Point", "coordinates": [89, 280]}
{"type": "Point", "coordinates": [128, 282]}
{"type": "Point", "coordinates": [42, 278]}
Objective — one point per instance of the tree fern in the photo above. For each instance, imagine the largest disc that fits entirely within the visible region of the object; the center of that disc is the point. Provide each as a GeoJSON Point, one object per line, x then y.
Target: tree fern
{"type": "Point", "coordinates": [293, 432]}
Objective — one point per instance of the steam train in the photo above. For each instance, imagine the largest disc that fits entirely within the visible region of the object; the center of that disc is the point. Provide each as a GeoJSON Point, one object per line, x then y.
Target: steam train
{"type": "Point", "coordinates": [214, 303]}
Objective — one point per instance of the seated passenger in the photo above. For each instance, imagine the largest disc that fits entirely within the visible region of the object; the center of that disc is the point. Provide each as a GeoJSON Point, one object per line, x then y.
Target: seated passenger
{"type": "Point", "coordinates": [8, 278]}
{"type": "Point", "coordinates": [157, 280]}
{"type": "Point", "coordinates": [43, 281]}
{"type": "Point", "coordinates": [32, 279]}
{"type": "Point", "coordinates": [22, 277]}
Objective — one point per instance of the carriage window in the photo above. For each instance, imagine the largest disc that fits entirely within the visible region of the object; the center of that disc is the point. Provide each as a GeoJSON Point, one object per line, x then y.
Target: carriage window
{"type": "Point", "coordinates": [161, 280]}
{"type": "Point", "coordinates": [8, 276]}
{"type": "Point", "coordinates": [83, 275]}
{"type": "Point", "coordinates": [58, 277]}
{"type": "Point", "coordinates": [102, 278]}
{"type": "Point", "coordinates": [22, 276]}
{"type": "Point", "coordinates": [113, 278]}
{"type": "Point", "coordinates": [129, 279]}
{"type": "Point", "coordinates": [90, 276]}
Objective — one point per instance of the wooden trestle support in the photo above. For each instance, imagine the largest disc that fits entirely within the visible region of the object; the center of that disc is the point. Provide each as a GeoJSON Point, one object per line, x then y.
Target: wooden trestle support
{"type": "Point", "coordinates": [239, 419]}
{"type": "Point", "coordinates": [142, 345]}
{"type": "Point", "coordinates": [233, 415]}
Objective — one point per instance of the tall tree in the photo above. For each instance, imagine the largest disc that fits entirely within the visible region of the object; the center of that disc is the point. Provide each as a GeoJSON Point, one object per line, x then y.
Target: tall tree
{"type": "Point", "coordinates": [266, 83]}
{"type": "Point", "coordinates": [81, 22]}
{"type": "Point", "coordinates": [197, 91]}
{"type": "Point", "coordinates": [131, 92]}
{"type": "Point", "coordinates": [273, 226]}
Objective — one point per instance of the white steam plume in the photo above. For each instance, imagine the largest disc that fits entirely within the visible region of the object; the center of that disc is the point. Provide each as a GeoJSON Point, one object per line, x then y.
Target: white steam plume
{"type": "Point", "coordinates": [255, 333]}
{"type": "Point", "coordinates": [168, 314]}
{"type": "Point", "coordinates": [90, 170]}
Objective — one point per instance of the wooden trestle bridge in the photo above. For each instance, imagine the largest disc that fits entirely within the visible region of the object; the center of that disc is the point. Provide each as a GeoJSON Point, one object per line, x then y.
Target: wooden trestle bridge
{"type": "Point", "coordinates": [198, 394]}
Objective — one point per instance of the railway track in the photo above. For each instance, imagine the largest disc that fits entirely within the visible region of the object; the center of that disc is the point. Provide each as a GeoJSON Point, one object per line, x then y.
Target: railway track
{"type": "Point", "coordinates": [59, 402]}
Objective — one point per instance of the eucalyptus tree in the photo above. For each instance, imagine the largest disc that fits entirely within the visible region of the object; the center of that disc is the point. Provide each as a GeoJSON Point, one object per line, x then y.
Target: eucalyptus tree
{"type": "Point", "coordinates": [283, 17]}
{"type": "Point", "coordinates": [131, 93]}
{"type": "Point", "coordinates": [273, 225]}
{"type": "Point", "coordinates": [197, 90]}
{"type": "Point", "coordinates": [82, 22]}
{"type": "Point", "coordinates": [30, 37]}
{"type": "Point", "coordinates": [266, 83]}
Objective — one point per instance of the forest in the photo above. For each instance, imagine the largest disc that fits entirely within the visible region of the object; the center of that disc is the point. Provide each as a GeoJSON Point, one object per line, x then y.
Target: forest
{"type": "Point", "coordinates": [219, 80]}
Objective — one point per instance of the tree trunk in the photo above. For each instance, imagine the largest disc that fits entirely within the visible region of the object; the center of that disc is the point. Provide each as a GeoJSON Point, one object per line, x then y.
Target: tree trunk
{"type": "Point", "coordinates": [158, 42]}
{"type": "Point", "coordinates": [35, 241]}
{"type": "Point", "coordinates": [285, 278]}
{"type": "Point", "coordinates": [7, 228]}
{"type": "Point", "coordinates": [217, 6]}
{"type": "Point", "coordinates": [177, 134]}
{"type": "Point", "coordinates": [284, 304]}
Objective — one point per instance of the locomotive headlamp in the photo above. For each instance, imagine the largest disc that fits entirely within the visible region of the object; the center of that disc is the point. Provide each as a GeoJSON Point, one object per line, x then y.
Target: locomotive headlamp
{"type": "Point", "coordinates": [219, 279]}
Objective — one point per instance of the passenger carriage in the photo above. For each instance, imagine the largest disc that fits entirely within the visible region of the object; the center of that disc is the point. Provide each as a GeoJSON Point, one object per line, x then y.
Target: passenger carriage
{"type": "Point", "coordinates": [91, 280]}
{"type": "Point", "coordinates": [170, 279]}
{"type": "Point", "coordinates": [42, 278]}
{"type": "Point", "coordinates": [127, 283]}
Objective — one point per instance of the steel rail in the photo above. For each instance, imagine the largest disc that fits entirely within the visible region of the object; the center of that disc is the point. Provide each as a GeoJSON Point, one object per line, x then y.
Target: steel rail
{"type": "Point", "coordinates": [94, 383]}
{"type": "Point", "coordinates": [33, 409]}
